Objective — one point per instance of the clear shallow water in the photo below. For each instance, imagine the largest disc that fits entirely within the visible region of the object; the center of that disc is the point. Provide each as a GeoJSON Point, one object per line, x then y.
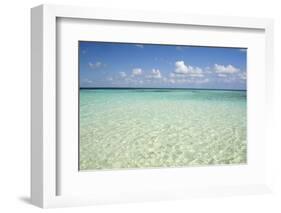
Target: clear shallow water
{"type": "Point", "coordinates": [140, 128]}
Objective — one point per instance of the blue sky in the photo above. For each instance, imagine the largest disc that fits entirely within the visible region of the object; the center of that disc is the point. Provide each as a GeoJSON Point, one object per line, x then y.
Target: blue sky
{"type": "Point", "coordinates": [105, 64]}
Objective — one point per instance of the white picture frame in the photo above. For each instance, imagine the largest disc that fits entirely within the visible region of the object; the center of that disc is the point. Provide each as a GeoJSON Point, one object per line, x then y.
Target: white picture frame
{"type": "Point", "coordinates": [45, 155]}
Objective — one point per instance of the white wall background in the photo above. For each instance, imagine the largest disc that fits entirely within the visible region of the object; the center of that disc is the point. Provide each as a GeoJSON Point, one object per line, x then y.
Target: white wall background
{"type": "Point", "coordinates": [15, 98]}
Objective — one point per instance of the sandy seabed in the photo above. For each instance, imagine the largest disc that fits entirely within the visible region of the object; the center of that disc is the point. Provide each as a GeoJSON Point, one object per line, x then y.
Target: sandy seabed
{"type": "Point", "coordinates": [142, 128]}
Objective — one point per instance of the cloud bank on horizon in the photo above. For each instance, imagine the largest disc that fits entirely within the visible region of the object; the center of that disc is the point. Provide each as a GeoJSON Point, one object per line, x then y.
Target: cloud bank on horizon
{"type": "Point", "coordinates": [105, 64]}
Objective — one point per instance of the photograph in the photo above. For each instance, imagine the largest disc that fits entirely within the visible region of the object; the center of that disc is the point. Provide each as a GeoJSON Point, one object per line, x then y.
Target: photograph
{"type": "Point", "coordinates": [147, 106]}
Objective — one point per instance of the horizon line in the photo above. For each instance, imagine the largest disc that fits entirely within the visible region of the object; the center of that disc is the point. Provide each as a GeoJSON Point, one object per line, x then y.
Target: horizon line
{"type": "Point", "coordinates": [180, 88]}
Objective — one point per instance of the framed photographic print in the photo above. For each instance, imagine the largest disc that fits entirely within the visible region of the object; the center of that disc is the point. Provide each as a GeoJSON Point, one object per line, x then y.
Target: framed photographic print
{"type": "Point", "coordinates": [168, 106]}
{"type": "Point", "coordinates": [130, 106]}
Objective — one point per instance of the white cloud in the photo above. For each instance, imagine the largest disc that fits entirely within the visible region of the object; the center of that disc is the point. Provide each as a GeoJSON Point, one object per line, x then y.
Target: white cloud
{"type": "Point", "coordinates": [191, 80]}
{"type": "Point", "coordinates": [181, 67]}
{"type": "Point", "coordinates": [229, 69]}
{"type": "Point", "coordinates": [155, 73]}
{"type": "Point", "coordinates": [222, 75]}
{"type": "Point", "coordinates": [122, 74]}
{"type": "Point", "coordinates": [227, 80]}
{"type": "Point", "coordinates": [181, 81]}
{"type": "Point", "coordinates": [165, 79]}
{"type": "Point", "coordinates": [136, 71]}
{"type": "Point", "coordinates": [96, 65]}
{"type": "Point", "coordinates": [206, 80]}
{"type": "Point", "coordinates": [184, 69]}
{"type": "Point", "coordinates": [172, 81]}
{"type": "Point", "coordinates": [243, 76]}
{"type": "Point", "coordinates": [196, 74]}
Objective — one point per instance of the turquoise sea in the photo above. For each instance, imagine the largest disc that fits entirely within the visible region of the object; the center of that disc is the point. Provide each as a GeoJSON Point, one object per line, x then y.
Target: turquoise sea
{"type": "Point", "coordinates": [146, 128]}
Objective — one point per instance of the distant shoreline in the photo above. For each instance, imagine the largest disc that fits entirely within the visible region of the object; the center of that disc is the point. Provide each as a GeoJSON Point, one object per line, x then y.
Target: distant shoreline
{"type": "Point", "coordinates": [147, 88]}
